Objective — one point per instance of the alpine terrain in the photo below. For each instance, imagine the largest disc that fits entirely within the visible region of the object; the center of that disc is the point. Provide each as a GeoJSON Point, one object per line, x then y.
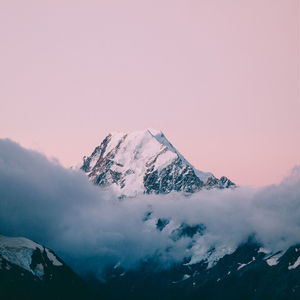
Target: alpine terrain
{"type": "Point", "coordinates": [31, 271]}
{"type": "Point", "coordinates": [197, 247]}
{"type": "Point", "coordinates": [145, 162]}
{"type": "Point", "coordinates": [249, 273]}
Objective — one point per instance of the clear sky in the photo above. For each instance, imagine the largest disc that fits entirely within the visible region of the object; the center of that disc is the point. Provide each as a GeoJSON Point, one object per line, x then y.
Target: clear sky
{"type": "Point", "coordinates": [219, 78]}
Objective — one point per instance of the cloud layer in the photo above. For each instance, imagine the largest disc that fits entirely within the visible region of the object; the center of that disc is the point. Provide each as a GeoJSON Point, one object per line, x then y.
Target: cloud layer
{"type": "Point", "coordinates": [59, 208]}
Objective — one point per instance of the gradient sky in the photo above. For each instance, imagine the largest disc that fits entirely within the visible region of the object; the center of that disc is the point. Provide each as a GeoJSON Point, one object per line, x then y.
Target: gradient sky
{"type": "Point", "coordinates": [219, 78]}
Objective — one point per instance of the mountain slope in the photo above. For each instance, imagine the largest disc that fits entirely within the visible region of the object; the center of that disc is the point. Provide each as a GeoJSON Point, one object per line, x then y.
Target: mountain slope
{"type": "Point", "coordinates": [247, 273]}
{"type": "Point", "coordinates": [145, 162]}
{"type": "Point", "coordinates": [31, 271]}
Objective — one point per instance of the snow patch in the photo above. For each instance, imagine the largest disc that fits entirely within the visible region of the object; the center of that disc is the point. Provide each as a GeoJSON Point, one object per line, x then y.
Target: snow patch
{"type": "Point", "coordinates": [18, 243]}
{"type": "Point", "coordinates": [274, 259]}
{"type": "Point", "coordinates": [39, 271]}
{"type": "Point", "coordinates": [117, 265]}
{"type": "Point", "coordinates": [263, 250]}
{"type": "Point", "coordinates": [210, 256]}
{"type": "Point", "coordinates": [244, 265]}
{"type": "Point", "coordinates": [295, 265]}
{"type": "Point", "coordinates": [53, 258]}
{"type": "Point", "coordinates": [18, 251]}
{"type": "Point", "coordinates": [185, 277]}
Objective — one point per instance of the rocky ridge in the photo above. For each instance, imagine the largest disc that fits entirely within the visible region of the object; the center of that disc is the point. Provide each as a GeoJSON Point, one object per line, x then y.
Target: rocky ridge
{"type": "Point", "coordinates": [145, 162]}
{"type": "Point", "coordinates": [31, 271]}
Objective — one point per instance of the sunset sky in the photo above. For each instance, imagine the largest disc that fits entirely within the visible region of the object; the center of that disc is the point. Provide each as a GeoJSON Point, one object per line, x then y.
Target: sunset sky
{"type": "Point", "coordinates": [219, 78]}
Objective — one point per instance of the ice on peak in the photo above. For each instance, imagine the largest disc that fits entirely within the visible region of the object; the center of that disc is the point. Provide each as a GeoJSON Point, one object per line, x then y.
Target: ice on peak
{"type": "Point", "coordinates": [155, 132]}
{"type": "Point", "coordinates": [136, 133]}
{"type": "Point", "coordinates": [158, 135]}
{"type": "Point", "coordinates": [18, 243]}
{"type": "Point", "coordinates": [143, 162]}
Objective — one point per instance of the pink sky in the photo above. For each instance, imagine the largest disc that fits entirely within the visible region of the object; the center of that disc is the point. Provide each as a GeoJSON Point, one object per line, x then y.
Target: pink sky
{"type": "Point", "coordinates": [219, 78]}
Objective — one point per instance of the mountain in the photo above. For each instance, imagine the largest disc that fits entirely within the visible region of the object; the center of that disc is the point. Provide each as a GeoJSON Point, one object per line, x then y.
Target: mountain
{"type": "Point", "coordinates": [31, 271]}
{"type": "Point", "coordinates": [145, 162]}
{"type": "Point", "coordinates": [248, 273]}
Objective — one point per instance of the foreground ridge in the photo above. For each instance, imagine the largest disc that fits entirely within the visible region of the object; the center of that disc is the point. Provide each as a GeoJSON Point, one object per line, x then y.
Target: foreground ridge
{"type": "Point", "coordinates": [31, 271]}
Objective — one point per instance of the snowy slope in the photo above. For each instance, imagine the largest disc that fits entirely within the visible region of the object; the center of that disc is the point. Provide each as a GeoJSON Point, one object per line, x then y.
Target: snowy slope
{"type": "Point", "coordinates": [31, 271]}
{"type": "Point", "coordinates": [22, 252]}
{"type": "Point", "coordinates": [241, 274]}
{"type": "Point", "coordinates": [145, 162]}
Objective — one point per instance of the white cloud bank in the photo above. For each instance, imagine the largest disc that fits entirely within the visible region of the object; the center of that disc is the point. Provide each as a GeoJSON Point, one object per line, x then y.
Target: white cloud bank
{"type": "Point", "coordinates": [59, 208]}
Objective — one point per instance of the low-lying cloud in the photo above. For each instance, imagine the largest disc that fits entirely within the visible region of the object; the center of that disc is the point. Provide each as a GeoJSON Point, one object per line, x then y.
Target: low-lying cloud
{"type": "Point", "coordinates": [61, 209]}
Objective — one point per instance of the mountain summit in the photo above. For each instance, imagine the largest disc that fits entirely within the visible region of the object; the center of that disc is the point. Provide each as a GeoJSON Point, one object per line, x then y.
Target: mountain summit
{"type": "Point", "coordinates": [145, 162]}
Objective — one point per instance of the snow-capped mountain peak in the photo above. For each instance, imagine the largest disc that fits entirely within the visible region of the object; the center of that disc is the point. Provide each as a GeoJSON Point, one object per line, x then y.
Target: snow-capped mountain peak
{"type": "Point", "coordinates": [145, 162]}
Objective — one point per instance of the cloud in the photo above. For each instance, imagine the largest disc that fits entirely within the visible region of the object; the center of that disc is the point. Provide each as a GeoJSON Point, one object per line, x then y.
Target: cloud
{"type": "Point", "coordinates": [90, 227]}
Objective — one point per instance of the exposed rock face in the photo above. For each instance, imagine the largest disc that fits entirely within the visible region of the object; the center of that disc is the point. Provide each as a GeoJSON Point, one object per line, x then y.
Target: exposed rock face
{"type": "Point", "coordinates": [31, 271]}
{"type": "Point", "coordinates": [145, 162]}
{"type": "Point", "coordinates": [247, 273]}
